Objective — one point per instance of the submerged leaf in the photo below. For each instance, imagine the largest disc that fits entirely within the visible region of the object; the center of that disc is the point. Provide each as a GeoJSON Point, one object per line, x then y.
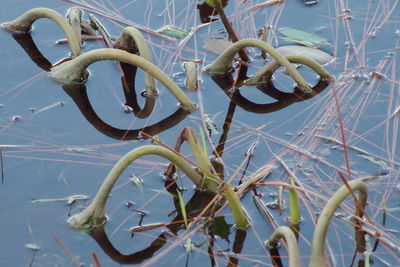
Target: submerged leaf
{"type": "Point", "coordinates": [377, 162]}
{"type": "Point", "coordinates": [172, 31]}
{"type": "Point", "coordinates": [301, 37]}
{"type": "Point", "coordinates": [217, 45]}
{"type": "Point", "coordinates": [297, 50]}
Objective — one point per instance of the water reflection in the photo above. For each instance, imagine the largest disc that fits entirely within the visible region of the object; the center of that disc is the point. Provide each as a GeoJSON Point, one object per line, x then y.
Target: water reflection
{"type": "Point", "coordinates": [196, 204]}
{"type": "Point", "coordinates": [26, 42]}
{"type": "Point", "coordinates": [79, 96]}
{"type": "Point", "coordinates": [225, 81]}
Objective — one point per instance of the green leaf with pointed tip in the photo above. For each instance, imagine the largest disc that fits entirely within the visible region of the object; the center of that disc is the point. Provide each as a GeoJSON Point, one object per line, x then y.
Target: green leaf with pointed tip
{"type": "Point", "coordinates": [173, 31]}
{"type": "Point", "coordinates": [301, 37]}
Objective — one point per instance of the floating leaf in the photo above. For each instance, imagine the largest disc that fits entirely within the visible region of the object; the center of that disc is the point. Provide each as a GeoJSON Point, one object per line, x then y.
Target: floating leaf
{"type": "Point", "coordinates": [57, 104]}
{"type": "Point", "coordinates": [32, 246]}
{"type": "Point", "coordinates": [377, 162]}
{"type": "Point", "coordinates": [188, 245]}
{"type": "Point", "coordinates": [76, 149]}
{"type": "Point", "coordinates": [69, 200]}
{"type": "Point", "coordinates": [137, 181]}
{"type": "Point", "coordinates": [296, 50]}
{"type": "Point", "coordinates": [304, 38]}
{"type": "Point", "coordinates": [217, 45]}
{"type": "Point", "coordinates": [172, 31]}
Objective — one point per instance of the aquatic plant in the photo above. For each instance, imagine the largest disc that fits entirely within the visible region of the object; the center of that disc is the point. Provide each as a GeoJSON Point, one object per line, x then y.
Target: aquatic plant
{"type": "Point", "coordinates": [285, 233]}
{"type": "Point", "coordinates": [24, 23]}
{"type": "Point", "coordinates": [267, 71]}
{"type": "Point", "coordinates": [223, 64]}
{"type": "Point", "coordinates": [318, 257]}
{"type": "Point", "coordinates": [94, 214]}
{"type": "Point", "coordinates": [219, 6]}
{"type": "Point", "coordinates": [131, 40]}
{"type": "Point", "coordinates": [74, 71]}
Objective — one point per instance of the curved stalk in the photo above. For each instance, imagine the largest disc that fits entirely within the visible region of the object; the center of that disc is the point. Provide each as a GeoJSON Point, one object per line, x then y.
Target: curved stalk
{"type": "Point", "coordinates": [74, 17]}
{"type": "Point", "coordinates": [74, 71]}
{"type": "Point", "coordinates": [24, 23]}
{"type": "Point", "coordinates": [270, 68]}
{"type": "Point", "coordinates": [94, 214]}
{"type": "Point", "coordinates": [287, 234]}
{"type": "Point", "coordinates": [132, 40]}
{"type": "Point", "coordinates": [318, 243]}
{"type": "Point", "coordinates": [223, 64]}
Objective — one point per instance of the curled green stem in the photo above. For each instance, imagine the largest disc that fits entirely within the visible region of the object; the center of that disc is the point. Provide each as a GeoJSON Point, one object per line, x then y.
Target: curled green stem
{"type": "Point", "coordinates": [132, 40]}
{"type": "Point", "coordinates": [318, 243]}
{"type": "Point", "coordinates": [287, 234]}
{"type": "Point", "coordinates": [24, 23]}
{"type": "Point", "coordinates": [94, 215]}
{"type": "Point", "coordinates": [74, 71]}
{"type": "Point", "coordinates": [223, 64]}
{"type": "Point", "coordinates": [270, 68]}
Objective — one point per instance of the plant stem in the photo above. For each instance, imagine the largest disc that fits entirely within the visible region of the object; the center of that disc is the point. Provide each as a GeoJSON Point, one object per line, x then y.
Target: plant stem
{"type": "Point", "coordinates": [131, 40]}
{"type": "Point", "coordinates": [294, 205]}
{"type": "Point", "coordinates": [232, 35]}
{"type": "Point", "coordinates": [223, 64]}
{"type": "Point", "coordinates": [74, 71]}
{"type": "Point", "coordinates": [74, 17]}
{"type": "Point", "coordinates": [94, 215]}
{"type": "Point", "coordinates": [24, 23]}
{"type": "Point", "coordinates": [270, 68]}
{"type": "Point", "coordinates": [237, 210]}
{"type": "Point", "coordinates": [287, 234]}
{"type": "Point", "coordinates": [318, 243]}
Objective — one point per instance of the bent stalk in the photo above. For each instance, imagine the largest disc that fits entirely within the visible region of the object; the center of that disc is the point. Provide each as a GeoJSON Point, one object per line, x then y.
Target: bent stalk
{"type": "Point", "coordinates": [24, 23]}
{"type": "Point", "coordinates": [132, 40]}
{"type": "Point", "coordinates": [270, 68]}
{"type": "Point", "coordinates": [318, 243]}
{"type": "Point", "coordinates": [94, 214]}
{"type": "Point", "coordinates": [223, 64]}
{"type": "Point", "coordinates": [74, 71]}
{"type": "Point", "coordinates": [287, 234]}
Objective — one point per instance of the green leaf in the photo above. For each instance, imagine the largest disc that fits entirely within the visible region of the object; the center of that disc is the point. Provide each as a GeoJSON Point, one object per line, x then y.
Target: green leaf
{"type": "Point", "coordinates": [377, 162]}
{"type": "Point", "coordinates": [57, 104]}
{"type": "Point", "coordinates": [183, 208]}
{"type": "Point", "coordinates": [137, 181]}
{"type": "Point", "coordinates": [301, 37]}
{"type": "Point", "coordinates": [173, 31]}
{"type": "Point", "coordinates": [69, 200]}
